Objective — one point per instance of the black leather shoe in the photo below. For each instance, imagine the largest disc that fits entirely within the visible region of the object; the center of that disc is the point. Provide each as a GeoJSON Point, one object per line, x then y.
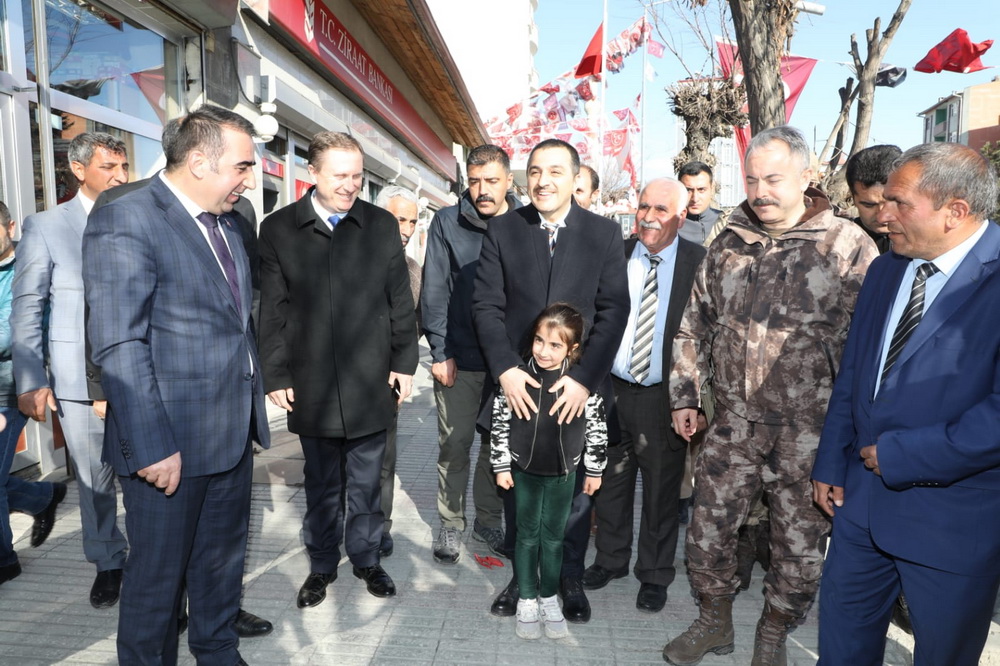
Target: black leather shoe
{"type": "Point", "coordinates": [248, 625]}
{"type": "Point", "coordinates": [576, 607]}
{"type": "Point", "coordinates": [44, 521]}
{"type": "Point", "coordinates": [313, 591]}
{"type": "Point", "coordinates": [596, 576]}
{"type": "Point", "coordinates": [651, 597]}
{"type": "Point", "coordinates": [107, 586]}
{"type": "Point", "coordinates": [10, 572]}
{"type": "Point", "coordinates": [505, 605]}
{"type": "Point", "coordinates": [378, 581]}
{"type": "Point", "coordinates": [385, 548]}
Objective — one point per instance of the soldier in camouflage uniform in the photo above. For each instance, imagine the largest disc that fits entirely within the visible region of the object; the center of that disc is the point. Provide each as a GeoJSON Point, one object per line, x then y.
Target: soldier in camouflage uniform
{"type": "Point", "coordinates": [770, 310]}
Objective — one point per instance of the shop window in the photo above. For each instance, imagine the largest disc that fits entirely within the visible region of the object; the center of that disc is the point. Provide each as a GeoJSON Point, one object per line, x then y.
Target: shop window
{"type": "Point", "coordinates": [100, 56]}
{"type": "Point", "coordinates": [144, 154]}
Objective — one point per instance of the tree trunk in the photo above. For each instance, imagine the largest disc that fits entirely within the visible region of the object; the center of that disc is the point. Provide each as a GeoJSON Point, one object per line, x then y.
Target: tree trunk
{"type": "Point", "coordinates": [761, 27]}
{"type": "Point", "coordinates": [877, 46]}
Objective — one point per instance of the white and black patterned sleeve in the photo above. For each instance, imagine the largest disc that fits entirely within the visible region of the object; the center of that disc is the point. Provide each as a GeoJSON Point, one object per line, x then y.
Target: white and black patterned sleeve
{"type": "Point", "coordinates": [500, 434]}
{"type": "Point", "coordinates": [595, 452]}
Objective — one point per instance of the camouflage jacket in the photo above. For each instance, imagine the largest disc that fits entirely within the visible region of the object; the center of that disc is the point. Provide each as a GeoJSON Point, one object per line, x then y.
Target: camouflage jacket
{"type": "Point", "coordinates": [767, 318]}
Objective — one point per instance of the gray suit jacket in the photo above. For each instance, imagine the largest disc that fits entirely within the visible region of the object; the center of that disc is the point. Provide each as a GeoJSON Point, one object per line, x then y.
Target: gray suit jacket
{"type": "Point", "coordinates": [47, 313]}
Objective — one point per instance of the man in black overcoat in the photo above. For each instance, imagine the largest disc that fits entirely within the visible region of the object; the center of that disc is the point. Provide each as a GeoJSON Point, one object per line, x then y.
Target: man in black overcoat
{"type": "Point", "coordinates": [339, 341]}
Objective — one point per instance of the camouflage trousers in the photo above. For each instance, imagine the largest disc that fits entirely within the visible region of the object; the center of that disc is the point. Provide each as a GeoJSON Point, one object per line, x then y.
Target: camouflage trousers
{"type": "Point", "coordinates": [739, 460]}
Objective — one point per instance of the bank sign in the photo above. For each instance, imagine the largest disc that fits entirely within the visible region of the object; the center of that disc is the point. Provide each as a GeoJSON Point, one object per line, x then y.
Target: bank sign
{"type": "Point", "coordinates": [312, 25]}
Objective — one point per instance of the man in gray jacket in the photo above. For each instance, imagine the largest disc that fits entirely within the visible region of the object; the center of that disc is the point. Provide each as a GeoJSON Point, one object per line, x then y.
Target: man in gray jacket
{"type": "Point", "coordinates": [49, 351]}
{"type": "Point", "coordinates": [453, 244]}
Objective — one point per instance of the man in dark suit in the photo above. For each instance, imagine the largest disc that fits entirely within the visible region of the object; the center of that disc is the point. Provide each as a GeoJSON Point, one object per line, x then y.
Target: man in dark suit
{"type": "Point", "coordinates": [244, 219]}
{"type": "Point", "coordinates": [551, 250]}
{"type": "Point", "coordinates": [661, 270]}
{"type": "Point", "coordinates": [909, 459]}
{"type": "Point", "coordinates": [169, 324]}
{"type": "Point", "coordinates": [338, 337]}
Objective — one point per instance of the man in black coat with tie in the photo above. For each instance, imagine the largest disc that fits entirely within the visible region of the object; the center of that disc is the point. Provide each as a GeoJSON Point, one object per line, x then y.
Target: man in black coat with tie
{"type": "Point", "coordinates": [661, 270]}
{"type": "Point", "coordinates": [551, 250]}
{"type": "Point", "coordinates": [338, 337]}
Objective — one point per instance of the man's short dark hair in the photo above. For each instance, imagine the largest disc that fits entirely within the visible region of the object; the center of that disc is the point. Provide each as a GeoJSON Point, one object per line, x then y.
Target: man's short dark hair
{"type": "Point", "coordinates": [83, 146]}
{"type": "Point", "coordinates": [595, 180]}
{"type": "Point", "coordinates": [485, 154]}
{"type": "Point", "coordinates": [558, 143]}
{"type": "Point", "coordinates": [693, 169]}
{"type": "Point", "coordinates": [202, 130]}
{"type": "Point", "coordinates": [871, 166]}
{"type": "Point", "coordinates": [325, 141]}
{"type": "Point", "coordinates": [4, 214]}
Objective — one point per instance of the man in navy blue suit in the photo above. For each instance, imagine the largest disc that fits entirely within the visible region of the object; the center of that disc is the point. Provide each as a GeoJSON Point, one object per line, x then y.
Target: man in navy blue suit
{"type": "Point", "coordinates": [909, 460]}
{"type": "Point", "coordinates": [169, 293]}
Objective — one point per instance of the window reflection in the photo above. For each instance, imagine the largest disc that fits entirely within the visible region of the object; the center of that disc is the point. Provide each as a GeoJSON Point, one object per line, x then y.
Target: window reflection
{"type": "Point", "coordinates": [100, 56]}
{"type": "Point", "coordinates": [143, 153]}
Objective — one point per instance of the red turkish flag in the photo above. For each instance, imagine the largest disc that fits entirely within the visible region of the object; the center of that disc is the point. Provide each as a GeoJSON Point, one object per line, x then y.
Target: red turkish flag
{"type": "Point", "coordinates": [591, 63]}
{"type": "Point", "coordinates": [956, 53]}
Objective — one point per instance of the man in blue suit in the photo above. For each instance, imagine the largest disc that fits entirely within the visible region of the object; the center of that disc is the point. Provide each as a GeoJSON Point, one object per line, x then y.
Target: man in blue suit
{"type": "Point", "coordinates": [909, 460]}
{"type": "Point", "coordinates": [169, 294]}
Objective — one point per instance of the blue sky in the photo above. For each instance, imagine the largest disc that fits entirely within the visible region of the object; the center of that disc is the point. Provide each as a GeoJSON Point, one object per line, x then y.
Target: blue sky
{"type": "Point", "coordinates": [565, 28]}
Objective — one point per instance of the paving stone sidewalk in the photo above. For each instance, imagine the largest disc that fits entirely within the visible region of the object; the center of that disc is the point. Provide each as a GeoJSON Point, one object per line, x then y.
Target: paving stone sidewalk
{"type": "Point", "coordinates": [439, 616]}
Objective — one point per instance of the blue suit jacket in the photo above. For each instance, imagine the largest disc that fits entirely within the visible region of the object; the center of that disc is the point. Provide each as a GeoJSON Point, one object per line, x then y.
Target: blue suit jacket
{"type": "Point", "coordinates": [936, 419]}
{"type": "Point", "coordinates": [174, 351]}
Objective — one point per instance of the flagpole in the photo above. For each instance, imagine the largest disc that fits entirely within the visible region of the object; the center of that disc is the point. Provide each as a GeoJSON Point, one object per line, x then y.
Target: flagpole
{"type": "Point", "coordinates": [604, 93]}
{"type": "Point", "coordinates": [642, 111]}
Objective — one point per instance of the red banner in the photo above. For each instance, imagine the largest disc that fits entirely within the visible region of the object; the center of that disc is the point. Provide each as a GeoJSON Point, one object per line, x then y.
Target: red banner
{"type": "Point", "coordinates": [795, 71]}
{"type": "Point", "coordinates": [313, 25]}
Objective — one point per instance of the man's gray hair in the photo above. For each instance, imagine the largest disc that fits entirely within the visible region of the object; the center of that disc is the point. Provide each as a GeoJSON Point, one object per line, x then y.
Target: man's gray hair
{"type": "Point", "coordinates": [953, 171]}
{"type": "Point", "coordinates": [83, 146]}
{"type": "Point", "coordinates": [786, 134]}
{"type": "Point", "coordinates": [678, 187]}
{"type": "Point", "coordinates": [393, 191]}
{"type": "Point", "coordinates": [4, 214]}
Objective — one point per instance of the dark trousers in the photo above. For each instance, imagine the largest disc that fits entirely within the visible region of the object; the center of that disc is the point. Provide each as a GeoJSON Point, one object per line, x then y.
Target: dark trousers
{"type": "Point", "coordinates": [950, 612]}
{"type": "Point", "coordinates": [334, 466]}
{"type": "Point", "coordinates": [647, 446]}
{"type": "Point", "coordinates": [543, 505]}
{"type": "Point", "coordinates": [198, 535]}
{"type": "Point", "coordinates": [577, 526]}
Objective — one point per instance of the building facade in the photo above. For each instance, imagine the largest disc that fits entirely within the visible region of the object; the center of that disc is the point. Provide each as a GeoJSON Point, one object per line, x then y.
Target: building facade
{"type": "Point", "coordinates": [970, 117]}
{"type": "Point", "coordinates": [377, 69]}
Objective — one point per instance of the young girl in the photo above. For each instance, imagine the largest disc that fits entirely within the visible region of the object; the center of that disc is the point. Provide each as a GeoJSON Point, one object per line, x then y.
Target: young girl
{"type": "Point", "coordinates": [539, 457]}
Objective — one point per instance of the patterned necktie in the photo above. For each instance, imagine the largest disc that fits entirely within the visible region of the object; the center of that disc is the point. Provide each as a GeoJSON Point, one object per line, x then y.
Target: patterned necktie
{"type": "Point", "coordinates": [334, 220]}
{"type": "Point", "coordinates": [552, 228]}
{"type": "Point", "coordinates": [911, 316]}
{"type": "Point", "coordinates": [211, 222]}
{"type": "Point", "coordinates": [642, 345]}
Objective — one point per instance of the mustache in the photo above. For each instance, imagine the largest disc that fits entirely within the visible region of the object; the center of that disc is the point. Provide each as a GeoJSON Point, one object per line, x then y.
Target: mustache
{"type": "Point", "coordinates": [650, 225]}
{"type": "Point", "coordinates": [483, 198]}
{"type": "Point", "coordinates": [764, 201]}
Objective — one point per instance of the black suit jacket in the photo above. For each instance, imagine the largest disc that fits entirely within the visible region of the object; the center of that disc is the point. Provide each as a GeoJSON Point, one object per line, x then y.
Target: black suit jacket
{"type": "Point", "coordinates": [245, 221]}
{"type": "Point", "coordinates": [336, 317]}
{"type": "Point", "coordinates": [689, 256]}
{"type": "Point", "coordinates": [517, 279]}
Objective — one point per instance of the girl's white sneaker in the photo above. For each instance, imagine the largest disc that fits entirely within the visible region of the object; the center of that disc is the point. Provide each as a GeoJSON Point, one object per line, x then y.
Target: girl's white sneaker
{"type": "Point", "coordinates": [552, 617]}
{"type": "Point", "coordinates": [529, 626]}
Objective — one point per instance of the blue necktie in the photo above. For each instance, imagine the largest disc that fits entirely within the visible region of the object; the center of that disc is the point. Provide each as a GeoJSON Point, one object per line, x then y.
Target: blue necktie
{"type": "Point", "coordinates": [334, 220]}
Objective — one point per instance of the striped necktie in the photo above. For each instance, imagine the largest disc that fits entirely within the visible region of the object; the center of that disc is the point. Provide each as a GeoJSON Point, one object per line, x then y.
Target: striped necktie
{"type": "Point", "coordinates": [642, 345]}
{"type": "Point", "coordinates": [551, 228]}
{"type": "Point", "coordinates": [911, 316]}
